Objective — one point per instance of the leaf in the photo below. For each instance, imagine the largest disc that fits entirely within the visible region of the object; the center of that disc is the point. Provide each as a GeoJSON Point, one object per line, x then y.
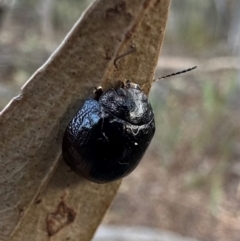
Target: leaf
{"type": "Point", "coordinates": [40, 197]}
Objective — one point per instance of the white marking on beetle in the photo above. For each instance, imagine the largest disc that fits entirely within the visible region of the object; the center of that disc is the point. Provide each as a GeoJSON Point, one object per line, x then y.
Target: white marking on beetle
{"type": "Point", "coordinates": [103, 133]}
{"type": "Point", "coordinates": [134, 132]}
{"type": "Point", "coordinates": [123, 163]}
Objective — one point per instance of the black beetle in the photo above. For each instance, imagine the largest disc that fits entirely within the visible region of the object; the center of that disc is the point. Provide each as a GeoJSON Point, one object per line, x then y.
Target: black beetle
{"type": "Point", "coordinates": [109, 135]}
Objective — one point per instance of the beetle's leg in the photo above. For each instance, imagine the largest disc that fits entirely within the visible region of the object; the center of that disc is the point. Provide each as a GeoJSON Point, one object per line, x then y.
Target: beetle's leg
{"type": "Point", "coordinates": [98, 92]}
{"type": "Point", "coordinates": [124, 83]}
{"type": "Point", "coordinates": [129, 84]}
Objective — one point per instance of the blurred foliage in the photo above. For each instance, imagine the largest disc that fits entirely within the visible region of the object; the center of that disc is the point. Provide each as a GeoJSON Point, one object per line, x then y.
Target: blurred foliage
{"type": "Point", "coordinates": [66, 11]}
{"type": "Point", "coordinates": [196, 130]}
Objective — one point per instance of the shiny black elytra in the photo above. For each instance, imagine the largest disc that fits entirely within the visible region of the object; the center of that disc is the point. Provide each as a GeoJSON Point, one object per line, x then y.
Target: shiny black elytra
{"type": "Point", "coordinates": [109, 135]}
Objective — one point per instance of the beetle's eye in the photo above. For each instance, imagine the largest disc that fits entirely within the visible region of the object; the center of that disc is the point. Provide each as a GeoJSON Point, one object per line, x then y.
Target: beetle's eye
{"type": "Point", "coordinates": [128, 83]}
{"type": "Point", "coordinates": [121, 92]}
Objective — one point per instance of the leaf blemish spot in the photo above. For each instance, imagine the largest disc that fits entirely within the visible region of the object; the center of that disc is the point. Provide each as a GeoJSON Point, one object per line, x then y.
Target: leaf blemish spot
{"type": "Point", "coordinates": [38, 201]}
{"type": "Point", "coordinates": [117, 9]}
{"type": "Point", "coordinates": [63, 216]}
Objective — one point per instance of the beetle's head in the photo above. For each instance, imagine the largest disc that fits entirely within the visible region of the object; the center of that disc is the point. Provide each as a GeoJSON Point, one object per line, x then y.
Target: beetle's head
{"type": "Point", "coordinates": [128, 103]}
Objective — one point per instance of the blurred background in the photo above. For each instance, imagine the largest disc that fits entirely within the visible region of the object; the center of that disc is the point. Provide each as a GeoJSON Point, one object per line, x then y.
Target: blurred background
{"type": "Point", "coordinates": [188, 181]}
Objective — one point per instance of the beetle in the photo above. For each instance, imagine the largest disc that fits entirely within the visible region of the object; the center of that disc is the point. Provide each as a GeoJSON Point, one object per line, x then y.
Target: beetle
{"type": "Point", "coordinates": [110, 133]}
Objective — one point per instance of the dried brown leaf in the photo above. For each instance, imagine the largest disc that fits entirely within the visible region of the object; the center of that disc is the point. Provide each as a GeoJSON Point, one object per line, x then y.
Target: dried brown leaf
{"type": "Point", "coordinates": [40, 197]}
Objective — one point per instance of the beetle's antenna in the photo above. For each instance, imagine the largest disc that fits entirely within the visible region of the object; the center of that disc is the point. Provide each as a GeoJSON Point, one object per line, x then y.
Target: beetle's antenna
{"type": "Point", "coordinates": [133, 49]}
{"type": "Point", "coordinates": [176, 73]}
